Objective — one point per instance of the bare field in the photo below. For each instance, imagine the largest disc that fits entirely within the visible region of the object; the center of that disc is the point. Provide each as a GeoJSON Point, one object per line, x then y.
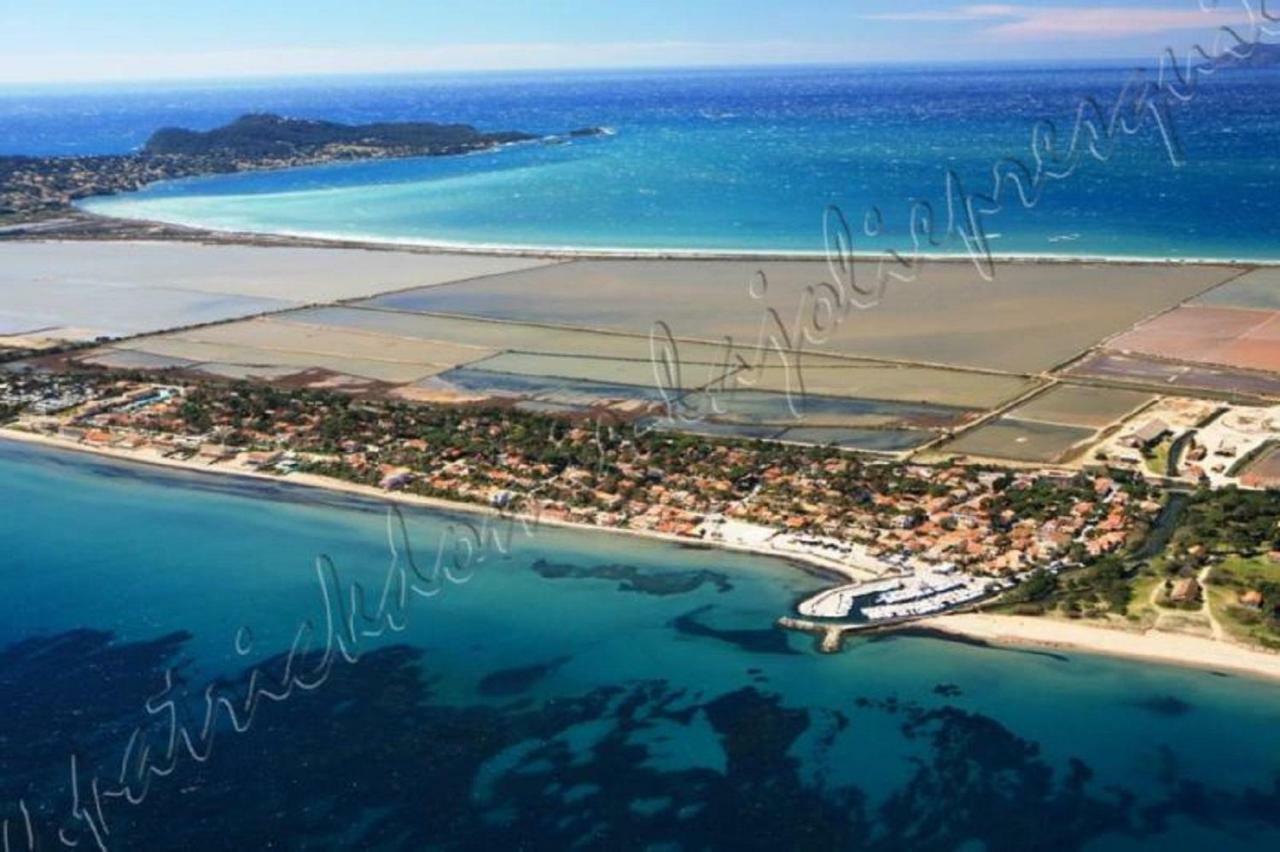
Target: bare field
{"type": "Point", "coordinates": [1031, 317]}
{"type": "Point", "coordinates": [1019, 440]}
{"type": "Point", "coordinates": [276, 335]}
{"type": "Point", "coordinates": [1079, 405]}
{"type": "Point", "coordinates": [1257, 289]}
{"type": "Point", "coordinates": [132, 359]}
{"type": "Point", "coordinates": [255, 372]}
{"type": "Point", "coordinates": [487, 334]}
{"type": "Point", "coordinates": [228, 355]}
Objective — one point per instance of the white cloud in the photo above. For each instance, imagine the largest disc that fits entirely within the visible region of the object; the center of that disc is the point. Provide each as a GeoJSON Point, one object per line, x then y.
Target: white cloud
{"type": "Point", "coordinates": [964, 13]}
{"type": "Point", "coordinates": [1099, 22]}
{"type": "Point", "coordinates": [1019, 31]}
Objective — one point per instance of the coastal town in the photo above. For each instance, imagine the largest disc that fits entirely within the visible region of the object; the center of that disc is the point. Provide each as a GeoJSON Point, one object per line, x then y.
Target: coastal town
{"type": "Point", "coordinates": [903, 540]}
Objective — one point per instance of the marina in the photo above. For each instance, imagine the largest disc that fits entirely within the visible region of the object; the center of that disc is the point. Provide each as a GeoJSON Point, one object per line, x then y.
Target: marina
{"type": "Point", "coordinates": [915, 592]}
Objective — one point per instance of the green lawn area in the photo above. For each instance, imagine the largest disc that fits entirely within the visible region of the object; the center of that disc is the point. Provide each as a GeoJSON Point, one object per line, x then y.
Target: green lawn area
{"type": "Point", "coordinates": [1228, 581]}
{"type": "Point", "coordinates": [1248, 570]}
{"type": "Point", "coordinates": [1140, 608]}
{"type": "Point", "coordinates": [1243, 624]}
{"type": "Point", "coordinates": [1158, 461]}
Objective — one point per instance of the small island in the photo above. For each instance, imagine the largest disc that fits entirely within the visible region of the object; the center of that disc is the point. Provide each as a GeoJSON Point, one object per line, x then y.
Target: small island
{"type": "Point", "coordinates": [1256, 55]}
{"type": "Point", "coordinates": [34, 187]}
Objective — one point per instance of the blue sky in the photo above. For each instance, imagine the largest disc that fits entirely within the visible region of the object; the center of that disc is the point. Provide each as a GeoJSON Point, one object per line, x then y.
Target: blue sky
{"type": "Point", "coordinates": [84, 40]}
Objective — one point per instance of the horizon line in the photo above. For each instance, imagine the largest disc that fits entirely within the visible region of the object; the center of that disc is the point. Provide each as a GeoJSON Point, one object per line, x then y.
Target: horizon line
{"type": "Point", "coordinates": [1046, 64]}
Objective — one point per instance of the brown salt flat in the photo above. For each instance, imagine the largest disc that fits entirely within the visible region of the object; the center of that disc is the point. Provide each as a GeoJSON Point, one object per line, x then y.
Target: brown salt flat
{"type": "Point", "coordinates": [1249, 355]}
{"type": "Point", "coordinates": [1031, 317]}
{"type": "Point", "coordinates": [1190, 333]}
{"type": "Point", "coordinates": [1269, 330]}
{"type": "Point", "coordinates": [1265, 472]}
{"type": "Point", "coordinates": [1232, 337]}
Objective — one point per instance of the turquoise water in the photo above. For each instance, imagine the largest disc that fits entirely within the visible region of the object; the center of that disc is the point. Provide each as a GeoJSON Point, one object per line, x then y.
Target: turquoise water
{"type": "Point", "coordinates": [740, 160]}
{"type": "Point", "coordinates": [580, 689]}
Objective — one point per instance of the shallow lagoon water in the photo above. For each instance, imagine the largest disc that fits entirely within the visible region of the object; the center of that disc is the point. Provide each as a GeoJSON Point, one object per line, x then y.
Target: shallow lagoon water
{"type": "Point", "coordinates": [585, 688]}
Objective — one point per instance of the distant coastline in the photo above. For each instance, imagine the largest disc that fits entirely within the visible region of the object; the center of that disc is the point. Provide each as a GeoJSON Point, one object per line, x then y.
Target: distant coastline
{"type": "Point", "coordinates": [36, 187]}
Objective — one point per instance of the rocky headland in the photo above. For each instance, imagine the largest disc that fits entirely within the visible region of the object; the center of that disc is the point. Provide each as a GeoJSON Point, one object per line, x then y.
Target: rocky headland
{"type": "Point", "coordinates": [35, 187]}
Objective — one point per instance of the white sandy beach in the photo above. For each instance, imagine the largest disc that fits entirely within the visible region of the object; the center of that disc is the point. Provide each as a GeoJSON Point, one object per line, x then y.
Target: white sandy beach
{"type": "Point", "coordinates": [1176, 649]}
{"type": "Point", "coordinates": [116, 209]}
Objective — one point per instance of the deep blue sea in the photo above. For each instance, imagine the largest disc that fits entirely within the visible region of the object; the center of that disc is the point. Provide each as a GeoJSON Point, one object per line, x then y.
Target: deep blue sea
{"type": "Point", "coordinates": [564, 690]}
{"type": "Point", "coordinates": [742, 159]}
